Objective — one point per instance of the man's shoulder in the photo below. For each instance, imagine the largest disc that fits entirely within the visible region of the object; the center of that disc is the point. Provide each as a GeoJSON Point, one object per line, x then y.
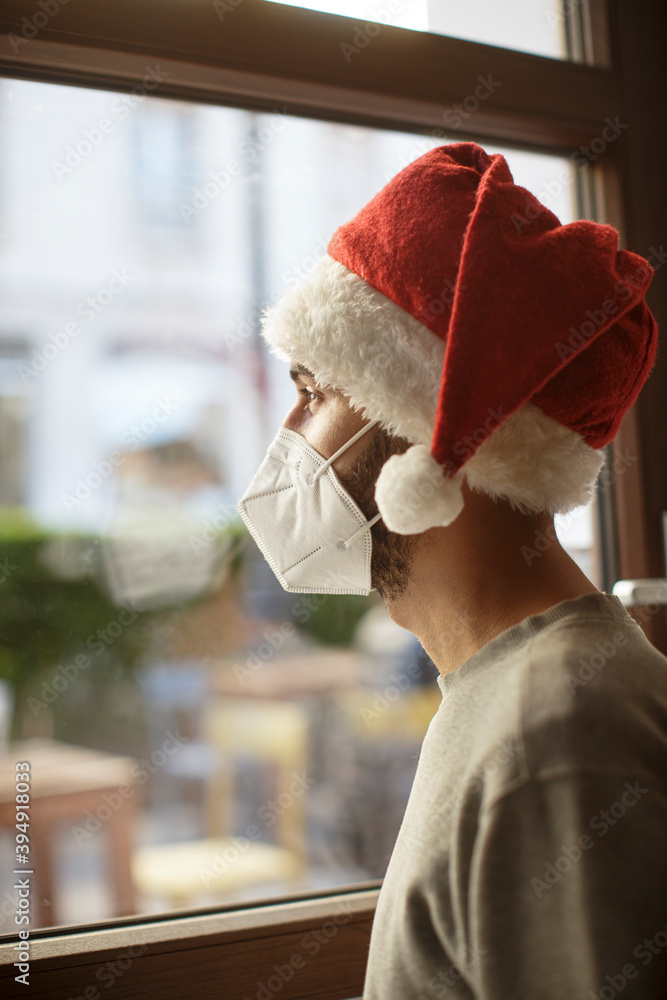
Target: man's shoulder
{"type": "Point", "coordinates": [576, 690]}
{"type": "Point", "coordinates": [594, 644]}
{"type": "Point", "coordinates": [587, 656]}
{"type": "Point", "coordinates": [593, 693]}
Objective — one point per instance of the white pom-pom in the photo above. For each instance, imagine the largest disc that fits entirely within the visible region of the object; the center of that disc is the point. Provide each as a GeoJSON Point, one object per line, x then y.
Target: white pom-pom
{"type": "Point", "coordinates": [413, 494]}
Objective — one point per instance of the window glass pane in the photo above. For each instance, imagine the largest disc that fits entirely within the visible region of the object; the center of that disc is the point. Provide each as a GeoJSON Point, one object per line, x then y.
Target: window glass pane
{"type": "Point", "coordinates": [536, 26]}
{"type": "Point", "coordinates": [197, 733]}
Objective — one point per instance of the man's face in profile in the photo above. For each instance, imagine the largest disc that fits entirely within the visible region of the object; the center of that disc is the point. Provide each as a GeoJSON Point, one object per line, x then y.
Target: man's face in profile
{"type": "Point", "coordinates": [325, 418]}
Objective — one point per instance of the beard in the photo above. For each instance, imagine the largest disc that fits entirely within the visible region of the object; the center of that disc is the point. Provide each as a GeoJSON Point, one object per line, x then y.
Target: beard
{"type": "Point", "coordinates": [392, 554]}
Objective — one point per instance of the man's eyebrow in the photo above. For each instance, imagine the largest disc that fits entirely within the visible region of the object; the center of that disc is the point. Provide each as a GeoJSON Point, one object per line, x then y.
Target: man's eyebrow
{"type": "Point", "coordinates": [299, 369]}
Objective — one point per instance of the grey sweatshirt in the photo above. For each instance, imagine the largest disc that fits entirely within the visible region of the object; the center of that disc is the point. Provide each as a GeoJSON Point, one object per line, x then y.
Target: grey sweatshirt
{"type": "Point", "coordinates": [531, 863]}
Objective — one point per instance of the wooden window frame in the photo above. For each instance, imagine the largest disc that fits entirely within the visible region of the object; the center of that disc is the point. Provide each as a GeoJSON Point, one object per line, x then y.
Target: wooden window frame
{"type": "Point", "coordinates": [263, 56]}
{"type": "Point", "coordinates": [297, 946]}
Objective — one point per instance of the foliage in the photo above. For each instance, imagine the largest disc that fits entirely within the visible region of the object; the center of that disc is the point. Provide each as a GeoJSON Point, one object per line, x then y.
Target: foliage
{"type": "Point", "coordinates": [55, 605]}
{"type": "Point", "coordinates": [333, 617]}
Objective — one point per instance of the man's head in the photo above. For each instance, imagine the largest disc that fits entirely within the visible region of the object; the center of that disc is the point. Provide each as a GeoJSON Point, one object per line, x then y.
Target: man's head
{"type": "Point", "coordinates": [503, 346]}
{"type": "Point", "coordinates": [457, 352]}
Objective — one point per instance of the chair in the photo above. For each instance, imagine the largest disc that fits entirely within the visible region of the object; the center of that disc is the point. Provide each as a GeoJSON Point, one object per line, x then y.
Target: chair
{"type": "Point", "coordinates": [384, 729]}
{"type": "Point", "coordinates": [275, 735]}
{"type": "Point", "coordinates": [401, 718]}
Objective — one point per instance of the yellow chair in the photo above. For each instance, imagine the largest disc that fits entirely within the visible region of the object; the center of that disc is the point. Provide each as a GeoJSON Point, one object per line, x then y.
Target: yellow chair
{"type": "Point", "coordinates": [274, 733]}
{"type": "Point", "coordinates": [390, 715]}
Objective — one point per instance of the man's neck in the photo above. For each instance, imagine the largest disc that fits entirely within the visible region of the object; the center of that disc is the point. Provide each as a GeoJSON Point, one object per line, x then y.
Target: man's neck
{"type": "Point", "coordinates": [474, 579]}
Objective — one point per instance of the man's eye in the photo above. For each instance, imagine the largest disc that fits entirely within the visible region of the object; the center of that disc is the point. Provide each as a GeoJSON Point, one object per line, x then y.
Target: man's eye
{"type": "Point", "coordinates": [308, 395]}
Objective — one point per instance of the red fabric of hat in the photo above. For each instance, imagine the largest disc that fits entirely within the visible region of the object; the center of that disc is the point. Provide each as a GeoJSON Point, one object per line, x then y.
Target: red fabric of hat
{"type": "Point", "coordinates": [458, 312]}
{"type": "Point", "coordinates": [529, 309]}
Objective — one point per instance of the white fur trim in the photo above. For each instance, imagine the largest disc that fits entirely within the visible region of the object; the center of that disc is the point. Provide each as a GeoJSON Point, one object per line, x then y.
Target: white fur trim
{"type": "Point", "coordinates": [413, 494]}
{"type": "Point", "coordinates": [355, 339]}
{"type": "Point", "coordinates": [536, 463]}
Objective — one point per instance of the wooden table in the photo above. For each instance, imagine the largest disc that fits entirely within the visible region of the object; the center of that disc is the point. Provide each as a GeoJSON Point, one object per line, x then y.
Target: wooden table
{"type": "Point", "coordinates": [65, 781]}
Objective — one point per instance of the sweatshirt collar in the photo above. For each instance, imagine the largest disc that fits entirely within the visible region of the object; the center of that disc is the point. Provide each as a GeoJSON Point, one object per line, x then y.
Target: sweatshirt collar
{"type": "Point", "coordinates": [595, 605]}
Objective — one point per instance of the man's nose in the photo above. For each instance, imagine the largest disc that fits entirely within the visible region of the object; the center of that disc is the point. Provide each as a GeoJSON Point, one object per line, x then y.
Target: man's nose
{"type": "Point", "coordinates": [295, 419]}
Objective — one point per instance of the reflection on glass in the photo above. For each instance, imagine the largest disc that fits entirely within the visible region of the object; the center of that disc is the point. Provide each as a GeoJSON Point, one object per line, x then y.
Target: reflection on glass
{"type": "Point", "coordinates": [537, 26]}
{"type": "Point", "coordinates": [195, 734]}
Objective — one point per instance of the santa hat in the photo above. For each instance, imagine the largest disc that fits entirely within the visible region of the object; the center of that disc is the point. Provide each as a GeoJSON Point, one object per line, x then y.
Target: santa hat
{"type": "Point", "coordinates": [458, 311]}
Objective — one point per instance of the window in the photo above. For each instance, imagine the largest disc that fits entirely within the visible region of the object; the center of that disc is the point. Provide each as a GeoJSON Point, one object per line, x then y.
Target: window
{"type": "Point", "coordinates": [525, 25]}
{"type": "Point", "coordinates": [163, 147]}
{"type": "Point", "coordinates": [560, 110]}
{"type": "Point", "coordinates": [154, 402]}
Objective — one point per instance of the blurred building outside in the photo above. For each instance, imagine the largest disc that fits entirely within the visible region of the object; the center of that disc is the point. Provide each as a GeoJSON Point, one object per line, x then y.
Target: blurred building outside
{"type": "Point", "coordinates": [140, 240]}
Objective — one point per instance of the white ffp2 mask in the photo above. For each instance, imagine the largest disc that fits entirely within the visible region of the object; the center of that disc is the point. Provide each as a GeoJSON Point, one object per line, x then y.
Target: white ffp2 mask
{"type": "Point", "coordinates": [309, 529]}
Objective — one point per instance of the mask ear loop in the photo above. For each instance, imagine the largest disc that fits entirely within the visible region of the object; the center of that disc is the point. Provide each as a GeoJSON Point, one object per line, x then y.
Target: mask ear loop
{"type": "Point", "coordinates": [323, 468]}
{"type": "Point", "coordinates": [365, 527]}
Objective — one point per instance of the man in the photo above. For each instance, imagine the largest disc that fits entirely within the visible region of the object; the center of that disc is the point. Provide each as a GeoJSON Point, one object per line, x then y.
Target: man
{"type": "Point", "coordinates": [460, 361]}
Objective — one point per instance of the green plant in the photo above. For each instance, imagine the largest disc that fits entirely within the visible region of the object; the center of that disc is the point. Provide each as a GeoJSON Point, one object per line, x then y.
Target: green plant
{"type": "Point", "coordinates": [60, 623]}
{"type": "Point", "coordinates": [332, 621]}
